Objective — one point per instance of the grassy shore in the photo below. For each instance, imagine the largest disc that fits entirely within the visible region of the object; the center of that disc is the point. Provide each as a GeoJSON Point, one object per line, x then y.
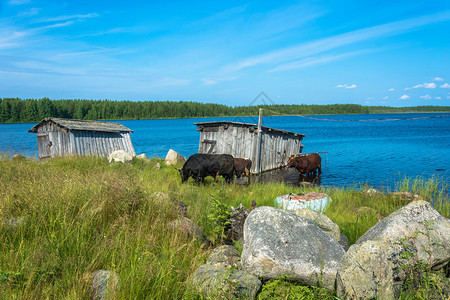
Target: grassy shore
{"type": "Point", "coordinates": [83, 214]}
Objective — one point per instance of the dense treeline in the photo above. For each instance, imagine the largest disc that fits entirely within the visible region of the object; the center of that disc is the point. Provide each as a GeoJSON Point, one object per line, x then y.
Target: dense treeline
{"type": "Point", "coordinates": [14, 110]}
{"type": "Point", "coordinates": [413, 109]}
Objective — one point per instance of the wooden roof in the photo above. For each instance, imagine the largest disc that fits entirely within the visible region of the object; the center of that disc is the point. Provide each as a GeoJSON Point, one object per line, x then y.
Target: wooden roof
{"type": "Point", "coordinates": [254, 126]}
{"type": "Point", "coordinates": [83, 125]}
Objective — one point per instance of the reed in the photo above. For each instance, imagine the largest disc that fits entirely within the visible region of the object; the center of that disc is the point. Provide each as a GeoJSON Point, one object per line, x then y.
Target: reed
{"type": "Point", "coordinates": [79, 215]}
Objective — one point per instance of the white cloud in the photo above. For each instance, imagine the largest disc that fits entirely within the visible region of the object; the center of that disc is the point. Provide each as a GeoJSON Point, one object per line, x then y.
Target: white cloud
{"type": "Point", "coordinates": [209, 81]}
{"type": "Point", "coordinates": [385, 97]}
{"type": "Point", "coordinates": [391, 89]}
{"type": "Point", "coordinates": [18, 2]}
{"type": "Point", "coordinates": [404, 97]}
{"type": "Point", "coordinates": [425, 85]}
{"type": "Point", "coordinates": [346, 86]}
{"type": "Point", "coordinates": [371, 98]}
{"type": "Point", "coordinates": [445, 86]}
{"type": "Point", "coordinates": [70, 17]}
{"type": "Point", "coordinates": [438, 79]}
{"type": "Point", "coordinates": [367, 102]}
{"type": "Point", "coordinates": [303, 63]}
{"type": "Point", "coordinates": [426, 97]}
{"type": "Point", "coordinates": [438, 98]}
{"type": "Point", "coordinates": [299, 51]}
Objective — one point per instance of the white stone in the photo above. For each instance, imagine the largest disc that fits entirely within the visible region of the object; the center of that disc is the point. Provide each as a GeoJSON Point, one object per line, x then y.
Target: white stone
{"type": "Point", "coordinates": [173, 158]}
{"type": "Point", "coordinates": [120, 156]}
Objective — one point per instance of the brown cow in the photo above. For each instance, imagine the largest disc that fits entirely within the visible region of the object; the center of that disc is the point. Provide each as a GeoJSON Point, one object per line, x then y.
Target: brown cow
{"type": "Point", "coordinates": [306, 164]}
{"type": "Point", "coordinates": [242, 166]}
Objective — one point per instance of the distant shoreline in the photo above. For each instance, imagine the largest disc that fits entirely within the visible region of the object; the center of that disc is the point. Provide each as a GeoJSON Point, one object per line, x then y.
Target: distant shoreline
{"type": "Point", "coordinates": [15, 110]}
{"type": "Point", "coordinates": [239, 116]}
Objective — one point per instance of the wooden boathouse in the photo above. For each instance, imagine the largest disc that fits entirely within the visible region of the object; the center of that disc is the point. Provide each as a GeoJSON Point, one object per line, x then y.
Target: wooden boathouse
{"type": "Point", "coordinates": [60, 137]}
{"type": "Point", "coordinates": [241, 140]}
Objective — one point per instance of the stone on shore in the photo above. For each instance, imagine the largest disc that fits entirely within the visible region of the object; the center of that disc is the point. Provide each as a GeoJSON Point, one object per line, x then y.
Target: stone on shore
{"type": "Point", "coordinates": [374, 268]}
{"type": "Point", "coordinates": [278, 243]}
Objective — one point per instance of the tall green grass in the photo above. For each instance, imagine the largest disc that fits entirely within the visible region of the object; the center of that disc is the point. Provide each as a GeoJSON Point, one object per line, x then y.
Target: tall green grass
{"type": "Point", "coordinates": [84, 214]}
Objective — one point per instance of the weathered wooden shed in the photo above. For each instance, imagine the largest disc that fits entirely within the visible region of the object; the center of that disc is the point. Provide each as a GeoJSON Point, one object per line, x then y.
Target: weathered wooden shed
{"type": "Point", "coordinates": [59, 137]}
{"type": "Point", "coordinates": [241, 140]}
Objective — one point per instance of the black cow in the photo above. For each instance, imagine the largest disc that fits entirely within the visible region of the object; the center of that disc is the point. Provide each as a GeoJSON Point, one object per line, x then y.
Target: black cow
{"type": "Point", "coordinates": [199, 165]}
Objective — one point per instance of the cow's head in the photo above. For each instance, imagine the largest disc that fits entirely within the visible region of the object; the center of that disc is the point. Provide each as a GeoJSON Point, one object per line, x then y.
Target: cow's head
{"type": "Point", "coordinates": [292, 161]}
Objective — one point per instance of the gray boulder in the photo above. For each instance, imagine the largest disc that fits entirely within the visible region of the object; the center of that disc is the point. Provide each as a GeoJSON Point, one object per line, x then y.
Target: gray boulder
{"type": "Point", "coordinates": [142, 156]}
{"type": "Point", "coordinates": [279, 243]}
{"type": "Point", "coordinates": [321, 220]}
{"type": "Point", "coordinates": [187, 228]}
{"type": "Point", "coordinates": [219, 282]}
{"type": "Point", "coordinates": [120, 156]}
{"type": "Point", "coordinates": [372, 267]}
{"type": "Point", "coordinates": [226, 256]}
{"type": "Point", "coordinates": [104, 284]}
{"type": "Point", "coordinates": [173, 158]}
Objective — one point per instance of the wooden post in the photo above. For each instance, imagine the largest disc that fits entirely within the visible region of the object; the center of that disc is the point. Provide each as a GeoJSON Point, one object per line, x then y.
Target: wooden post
{"type": "Point", "coordinates": [258, 145]}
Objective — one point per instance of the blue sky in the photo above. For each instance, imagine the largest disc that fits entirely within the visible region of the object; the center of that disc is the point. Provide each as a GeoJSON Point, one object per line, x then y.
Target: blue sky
{"type": "Point", "coordinates": [393, 53]}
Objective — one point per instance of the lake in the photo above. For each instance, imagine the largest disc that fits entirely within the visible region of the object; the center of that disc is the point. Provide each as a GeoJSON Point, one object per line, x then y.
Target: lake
{"type": "Point", "coordinates": [377, 149]}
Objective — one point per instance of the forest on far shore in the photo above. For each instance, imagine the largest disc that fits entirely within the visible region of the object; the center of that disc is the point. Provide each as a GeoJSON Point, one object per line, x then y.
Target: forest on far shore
{"type": "Point", "coordinates": [15, 110]}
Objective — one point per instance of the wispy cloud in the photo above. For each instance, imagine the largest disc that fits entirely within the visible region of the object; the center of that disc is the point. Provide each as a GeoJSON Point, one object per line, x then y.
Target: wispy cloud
{"type": "Point", "coordinates": [18, 2]}
{"type": "Point", "coordinates": [438, 79]}
{"type": "Point", "coordinates": [9, 37]}
{"type": "Point", "coordinates": [110, 31]}
{"type": "Point", "coordinates": [57, 25]}
{"type": "Point", "coordinates": [427, 97]}
{"type": "Point", "coordinates": [322, 45]}
{"type": "Point", "coordinates": [30, 12]}
{"type": "Point", "coordinates": [314, 61]}
{"type": "Point", "coordinates": [391, 90]}
{"type": "Point", "coordinates": [425, 85]}
{"type": "Point", "coordinates": [347, 86]}
{"type": "Point", "coordinates": [404, 97]}
{"type": "Point", "coordinates": [68, 17]}
{"type": "Point", "coordinates": [209, 81]}
{"type": "Point", "coordinates": [445, 86]}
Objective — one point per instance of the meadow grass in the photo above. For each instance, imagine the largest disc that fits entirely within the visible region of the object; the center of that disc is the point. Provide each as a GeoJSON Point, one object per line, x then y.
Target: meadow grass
{"type": "Point", "coordinates": [84, 214]}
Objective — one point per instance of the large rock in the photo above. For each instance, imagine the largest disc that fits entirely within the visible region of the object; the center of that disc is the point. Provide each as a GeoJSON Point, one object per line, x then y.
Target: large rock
{"type": "Point", "coordinates": [219, 282]}
{"type": "Point", "coordinates": [279, 243]}
{"type": "Point", "coordinates": [372, 267]}
{"type": "Point", "coordinates": [104, 284]}
{"type": "Point", "coordinates": [120, 156]}
{"type": "Point", "coordinates": [321, 220]}
{"type": "Point", "coordinates": [142, 156]}
{"type": "Point", "coordinates": [189, 229]}
{"type": "Point", "coordinates": [173, 158]}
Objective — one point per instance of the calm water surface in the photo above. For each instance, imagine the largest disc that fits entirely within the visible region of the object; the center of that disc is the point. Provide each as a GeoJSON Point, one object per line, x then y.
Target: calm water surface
{"type": "Point", "coordinates": [367, 151]}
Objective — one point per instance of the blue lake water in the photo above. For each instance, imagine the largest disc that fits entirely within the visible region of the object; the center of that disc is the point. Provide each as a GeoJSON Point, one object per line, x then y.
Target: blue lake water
{"type": "Point", "coordinates": [374, 150]}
